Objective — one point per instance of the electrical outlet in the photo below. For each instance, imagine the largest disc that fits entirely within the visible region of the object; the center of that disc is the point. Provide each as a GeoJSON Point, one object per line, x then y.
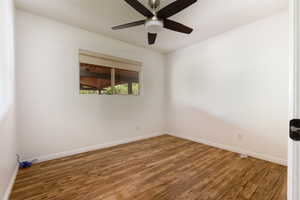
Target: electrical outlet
{"type": "Point", "coordinates": [137, 128]}
{"type": "Point", "coordinates": [240, 136]}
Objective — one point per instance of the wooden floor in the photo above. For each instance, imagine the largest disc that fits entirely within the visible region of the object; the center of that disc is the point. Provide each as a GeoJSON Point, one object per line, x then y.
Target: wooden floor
{"type": "Point", "coordinates": [163, 167]}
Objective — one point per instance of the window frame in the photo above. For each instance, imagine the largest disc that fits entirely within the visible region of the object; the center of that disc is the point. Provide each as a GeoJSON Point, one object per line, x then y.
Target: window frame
{"type": "Point", "coordinates": [112, 62]}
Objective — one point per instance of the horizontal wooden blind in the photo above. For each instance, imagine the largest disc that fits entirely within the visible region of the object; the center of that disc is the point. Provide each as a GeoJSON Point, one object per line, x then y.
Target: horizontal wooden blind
{"type": "Point", "coordinates": [93, 58]}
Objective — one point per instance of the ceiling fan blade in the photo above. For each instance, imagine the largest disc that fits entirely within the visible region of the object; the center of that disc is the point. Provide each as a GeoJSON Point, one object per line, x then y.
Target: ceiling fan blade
{"type": "Point", "coordinates": [140, 8]}
{"type": "Point", "coordinates": [175, 26]}
{"type": "Point", "coordinates": [128, 25]}
{"type": "Point", "coordinates": [174, 8]}
{"type": "Point", "coordinates": [151, 38]}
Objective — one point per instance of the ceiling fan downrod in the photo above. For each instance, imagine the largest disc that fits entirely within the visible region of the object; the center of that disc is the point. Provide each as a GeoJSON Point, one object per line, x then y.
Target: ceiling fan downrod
{"type": "Point", "coordinates": [154, 5]}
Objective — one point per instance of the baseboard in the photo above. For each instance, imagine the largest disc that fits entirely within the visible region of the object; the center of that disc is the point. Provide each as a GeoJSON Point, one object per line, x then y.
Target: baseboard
{"type": "Point", "coordinates": [235, 149]}
{"type": "Point", "coordinates": [11, 184]}
{"type": "Point", "coordinates": [92, 148]}
{"type": "Point", "coordinates": [128, 140]}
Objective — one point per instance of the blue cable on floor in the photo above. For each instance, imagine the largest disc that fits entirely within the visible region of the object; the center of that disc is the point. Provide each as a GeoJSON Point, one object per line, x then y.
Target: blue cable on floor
{"type": "Point", "coordinates": [24, 164]}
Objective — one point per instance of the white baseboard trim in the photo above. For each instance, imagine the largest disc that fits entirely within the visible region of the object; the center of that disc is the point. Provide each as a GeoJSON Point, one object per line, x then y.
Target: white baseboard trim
{"type": "Point", "coordinates": [11, 184]}
{"type": "Point", "coordinates": [235, 149]}
{"type": "Point", "coordinates": [92, 148]}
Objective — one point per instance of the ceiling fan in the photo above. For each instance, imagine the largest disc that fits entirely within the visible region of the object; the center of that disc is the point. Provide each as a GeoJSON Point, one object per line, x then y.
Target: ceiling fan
{"type": "Point", "coordinates": [157, 19]}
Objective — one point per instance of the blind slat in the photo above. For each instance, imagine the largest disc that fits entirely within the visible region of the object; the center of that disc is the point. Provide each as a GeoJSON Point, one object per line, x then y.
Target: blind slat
{"type": "Point", "coordinates": [108, 61]}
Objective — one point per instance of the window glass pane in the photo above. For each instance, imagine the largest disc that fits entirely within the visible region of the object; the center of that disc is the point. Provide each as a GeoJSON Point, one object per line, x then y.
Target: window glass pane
{"type": "Point", "coordinates": [136, 89]}
{"type": "Point", "coordinates": [126, 82]}
{"type": "Point", "coordinates": [121, 89]}
{"type": "Point", "coordinates": [95, 79]}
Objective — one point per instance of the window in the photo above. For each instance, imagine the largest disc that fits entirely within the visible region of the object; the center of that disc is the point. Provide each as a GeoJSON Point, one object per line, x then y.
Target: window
{"type": "Point", "coordinates": [95, 79]}
{"type": "Point", "coordinates": [107, 75]}
{"type": "Point", "coordinates": [126, 82]}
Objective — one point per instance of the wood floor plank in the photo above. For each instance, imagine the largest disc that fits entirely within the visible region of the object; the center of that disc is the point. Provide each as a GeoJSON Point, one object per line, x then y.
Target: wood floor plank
{"type": "Point", "coordinates": [160, 168]}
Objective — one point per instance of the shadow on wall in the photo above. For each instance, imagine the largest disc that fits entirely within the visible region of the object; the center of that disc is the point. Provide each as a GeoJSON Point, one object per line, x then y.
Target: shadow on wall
{"type": "Point", "coordinates": [192, 122]}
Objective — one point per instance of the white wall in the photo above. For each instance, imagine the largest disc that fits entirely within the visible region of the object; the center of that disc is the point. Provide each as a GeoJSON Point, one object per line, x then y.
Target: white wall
{"type": "Point", "coordinates": [52, 116]}
{"type": "Point", "coordinates": [234, 83]}
{"type": "Point", "coordinates": [8, 146]}
{"type": "Point", "coordinates": [230, 91]}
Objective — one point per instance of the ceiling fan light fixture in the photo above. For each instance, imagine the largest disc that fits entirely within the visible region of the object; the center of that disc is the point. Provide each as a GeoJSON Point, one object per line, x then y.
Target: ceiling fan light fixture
{"type": "Point", "coordinates": [154, 26]}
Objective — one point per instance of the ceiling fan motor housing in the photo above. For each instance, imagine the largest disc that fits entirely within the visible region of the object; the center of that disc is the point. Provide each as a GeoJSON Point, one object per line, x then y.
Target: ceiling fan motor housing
{"type": "Point", "coordinates": [154, 25]}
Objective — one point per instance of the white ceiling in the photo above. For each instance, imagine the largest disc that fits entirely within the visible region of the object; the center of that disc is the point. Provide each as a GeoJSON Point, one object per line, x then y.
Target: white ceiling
{"type": "Point", "coordinates": [207, 17]}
